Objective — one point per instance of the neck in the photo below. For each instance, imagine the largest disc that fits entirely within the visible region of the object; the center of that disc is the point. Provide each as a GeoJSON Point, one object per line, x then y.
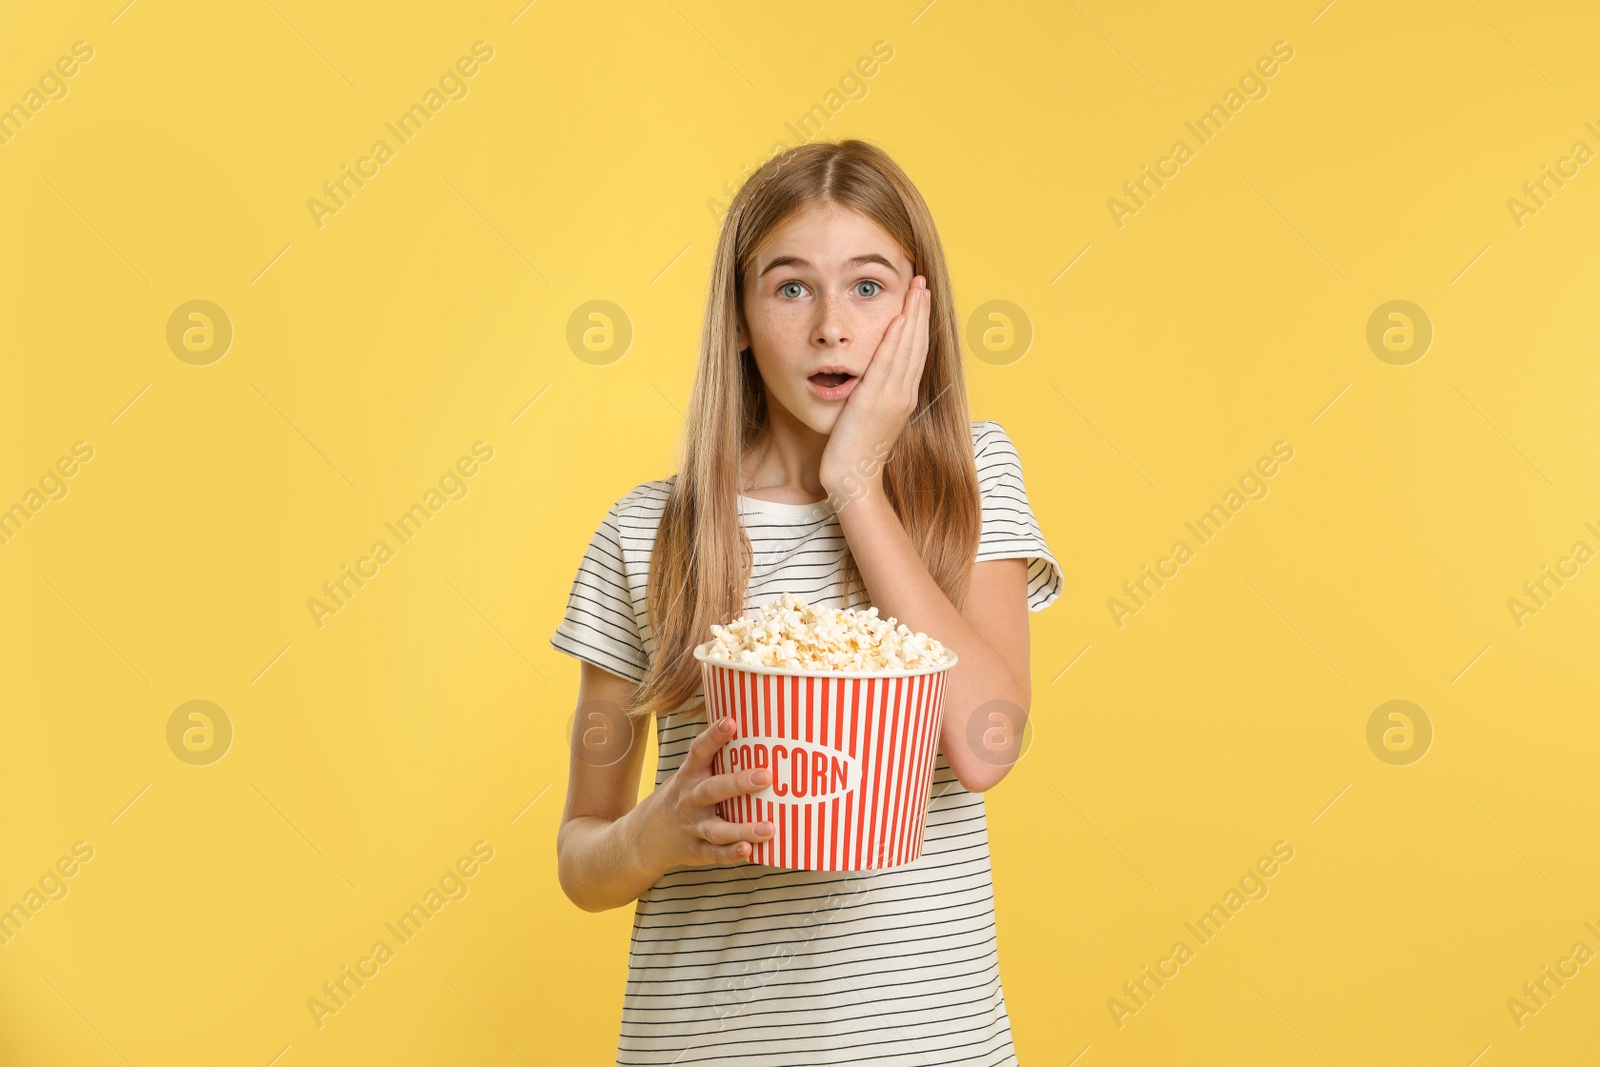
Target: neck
{"type": "Point", "coordinates": [785, 461]}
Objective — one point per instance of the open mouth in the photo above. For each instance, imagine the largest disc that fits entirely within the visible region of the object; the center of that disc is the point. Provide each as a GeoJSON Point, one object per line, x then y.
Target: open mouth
{"type": "Point", "coordinates": [831, 381]}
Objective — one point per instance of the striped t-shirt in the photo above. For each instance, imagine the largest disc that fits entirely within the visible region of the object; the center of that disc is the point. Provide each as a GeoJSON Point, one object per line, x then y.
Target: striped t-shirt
{"type": "Point", "coordinates": [750, 964]}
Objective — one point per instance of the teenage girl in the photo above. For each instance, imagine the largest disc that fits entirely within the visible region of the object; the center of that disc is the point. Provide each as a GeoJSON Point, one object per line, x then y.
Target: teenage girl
{"type": "Point", "coordinates": [827, 452]}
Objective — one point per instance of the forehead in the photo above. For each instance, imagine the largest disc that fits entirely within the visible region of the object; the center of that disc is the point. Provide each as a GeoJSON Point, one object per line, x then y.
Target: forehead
{"type": "Point", "coordinates": [827, 238]}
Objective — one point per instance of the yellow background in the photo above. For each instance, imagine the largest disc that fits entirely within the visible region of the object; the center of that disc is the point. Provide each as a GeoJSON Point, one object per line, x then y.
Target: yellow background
{"type": "Point", "coordinates": [368, 354]}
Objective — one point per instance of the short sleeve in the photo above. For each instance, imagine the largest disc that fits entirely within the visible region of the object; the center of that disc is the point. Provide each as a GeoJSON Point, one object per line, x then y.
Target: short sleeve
{"type": "Point", "coordinates": [601, 623]}
{"type": "Point", "coordinates": [1009, 527]}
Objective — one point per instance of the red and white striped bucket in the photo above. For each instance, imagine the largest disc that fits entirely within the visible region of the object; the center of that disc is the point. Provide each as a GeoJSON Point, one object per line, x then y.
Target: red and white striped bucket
{"type": "Point", "coordinates": [851, 756]}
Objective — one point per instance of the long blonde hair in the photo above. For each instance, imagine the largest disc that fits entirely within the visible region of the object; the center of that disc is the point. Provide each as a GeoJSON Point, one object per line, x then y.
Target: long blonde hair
{"type": "Point", "coordinates": [700, 568]}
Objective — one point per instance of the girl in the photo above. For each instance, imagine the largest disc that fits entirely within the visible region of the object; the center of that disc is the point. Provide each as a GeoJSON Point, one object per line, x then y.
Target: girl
{"type": "Point", "coordinates": [827, 453]}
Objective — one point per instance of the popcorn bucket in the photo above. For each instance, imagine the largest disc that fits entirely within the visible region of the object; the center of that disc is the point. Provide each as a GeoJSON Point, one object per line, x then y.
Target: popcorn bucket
{"type": "Point", "coordinates": [851, 755]}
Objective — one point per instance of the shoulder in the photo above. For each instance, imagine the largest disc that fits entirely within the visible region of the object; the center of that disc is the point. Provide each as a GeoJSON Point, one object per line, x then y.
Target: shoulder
{"type": "Point", "coordinates": [992, 449]}
{"type": "Point", "coordinates": [637, 513]}
{"type": "Point", "coordinates": [989, 437]}
{"type": "Point", "coordinates": [645, 497]}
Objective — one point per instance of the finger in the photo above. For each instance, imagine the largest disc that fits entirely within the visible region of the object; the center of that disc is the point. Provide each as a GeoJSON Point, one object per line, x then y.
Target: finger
{"type": "Point", "coordinates": [908, 306]}
{"type": "Point", "coordinates": [706, 745]}
{"type": "Point", "coordinates": [908, 340]}
{"type": "Point", "coordinates": [898, 367]}
{"type": "Point", "coordinates": [878, 368]}
{"type": "Point", "coordinates": [720, 787]}
{"type": "Point", "coordinates": [883, 358]}
{"type": "Point", "coordinates": [735, 853]}
{"type": "Point", "coordinates": [891, 359]}
{"type": "Point", "coordinates": [919, 346]}
{"type": "Point", "coordinates": [723, 832]}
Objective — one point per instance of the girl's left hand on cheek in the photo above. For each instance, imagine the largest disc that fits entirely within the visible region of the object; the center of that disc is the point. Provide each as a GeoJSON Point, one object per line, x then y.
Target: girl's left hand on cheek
{"type": "Point", "coordinates": [879, 408]}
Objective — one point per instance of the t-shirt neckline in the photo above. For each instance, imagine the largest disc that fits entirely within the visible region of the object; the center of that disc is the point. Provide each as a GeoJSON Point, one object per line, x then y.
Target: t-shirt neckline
{"type": "Point", "coordinates": [819, 509]}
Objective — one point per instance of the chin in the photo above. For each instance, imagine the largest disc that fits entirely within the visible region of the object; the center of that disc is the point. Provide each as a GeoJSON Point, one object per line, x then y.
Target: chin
{"type": "Point", "coordinates": [822, 421]}
{"type": "Point", "coordinates": [812, 414]}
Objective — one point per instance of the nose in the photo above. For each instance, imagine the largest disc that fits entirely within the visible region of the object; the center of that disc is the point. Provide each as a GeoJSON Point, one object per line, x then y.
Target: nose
{"type": "Point", "coordinates": [833, 321]}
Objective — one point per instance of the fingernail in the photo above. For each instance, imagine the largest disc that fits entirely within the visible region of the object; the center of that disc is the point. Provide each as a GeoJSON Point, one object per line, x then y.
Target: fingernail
{"type": "Point", "coordinates": [760, 777]}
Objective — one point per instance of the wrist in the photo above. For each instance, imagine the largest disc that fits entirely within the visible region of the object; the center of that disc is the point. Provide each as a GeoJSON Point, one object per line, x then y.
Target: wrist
{"type": "Point", "coordinates": [830, 478]}
{"type": "Point", "coordinates": [637, 841]}
{"type": "Point", "coordinates": [852, 488]}
{"type": "Point", "coordinates": [851, 477]}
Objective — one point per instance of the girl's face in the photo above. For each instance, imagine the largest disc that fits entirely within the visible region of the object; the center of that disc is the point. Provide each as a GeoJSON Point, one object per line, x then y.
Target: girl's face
{"type": "Point", "coordinates": [825, 287]}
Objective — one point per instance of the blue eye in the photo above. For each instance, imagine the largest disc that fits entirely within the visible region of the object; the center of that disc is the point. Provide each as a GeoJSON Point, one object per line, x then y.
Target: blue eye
{"type": "Point", "coordinates": [877, 287]}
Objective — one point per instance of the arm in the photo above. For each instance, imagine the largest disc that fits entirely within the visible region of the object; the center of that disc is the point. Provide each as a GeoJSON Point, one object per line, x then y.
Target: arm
{"type": "Point", "coordinates": [611, 846]}
{"type": "Point", "coordinates": [989, 636]}
{"type": "Point", "coordinates": [599, 858]}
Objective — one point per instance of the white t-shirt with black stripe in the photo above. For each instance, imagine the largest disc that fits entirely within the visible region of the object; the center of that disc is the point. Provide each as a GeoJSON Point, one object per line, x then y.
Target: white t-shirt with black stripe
{"type": "Point", "coordinates": [753, 964]}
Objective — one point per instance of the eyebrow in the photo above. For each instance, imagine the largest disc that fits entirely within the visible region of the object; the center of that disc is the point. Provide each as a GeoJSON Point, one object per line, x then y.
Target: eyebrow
{"type": "Point", "coordinates": [796, 261]}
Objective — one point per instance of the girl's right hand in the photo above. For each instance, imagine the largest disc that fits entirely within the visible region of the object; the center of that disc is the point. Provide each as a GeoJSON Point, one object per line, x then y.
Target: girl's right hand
{"type": "Point", "coordinates": [682, 826]}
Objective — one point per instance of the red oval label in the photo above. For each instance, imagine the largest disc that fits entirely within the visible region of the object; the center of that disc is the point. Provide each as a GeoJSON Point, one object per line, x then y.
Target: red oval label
{"type": "Point", "coordinates": [801, 772]}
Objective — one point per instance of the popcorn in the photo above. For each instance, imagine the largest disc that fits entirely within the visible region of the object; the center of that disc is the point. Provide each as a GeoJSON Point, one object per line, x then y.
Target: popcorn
{"type": "Point", "coordinates": [789, 633]}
